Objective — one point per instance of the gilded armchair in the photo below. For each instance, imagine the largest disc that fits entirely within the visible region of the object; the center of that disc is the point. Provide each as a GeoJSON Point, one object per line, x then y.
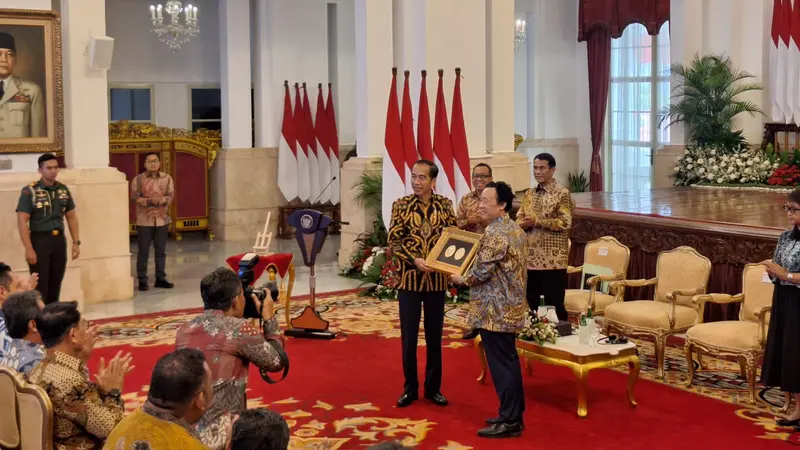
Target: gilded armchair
{"type": "Point", "coordinates": [743, 339]}
{"type": "Point", "coordinates": [681, 274]}
{"type": "Point", "coordinates": [605, 252]}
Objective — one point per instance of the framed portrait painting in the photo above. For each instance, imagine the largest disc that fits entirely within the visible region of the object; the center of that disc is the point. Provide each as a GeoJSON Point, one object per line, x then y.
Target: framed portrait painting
{"type": "Point", "coordinates": [454, 251]}
{"type": "Point", "coordinates": [31, 90]}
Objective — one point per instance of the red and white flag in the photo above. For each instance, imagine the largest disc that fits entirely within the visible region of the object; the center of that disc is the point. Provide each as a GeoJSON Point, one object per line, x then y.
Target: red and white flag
{"type": "Point", "coordinates": [775, 31]}
{"type": "Point", "coordinates": [287, 150]}
{"type": "Point", "coordinates": [323, 154]}
{"type": "Point", "coordinates": [407, 125]}
{"type": "Point", "coordinates": [783, 61]}
{"type": "Point", "coordinates": [424, 146]}
{"type": "Point", "coordinates": [393, 159]}
{"type": "Point", "coordinates": [794, 61]}
{"type": "Point", "coordinates": [458, 139]}
{"type": "Point", "coordinates": [303, 171]}
{"type": "Point", "coordinates": [442, 148]}
{"type": "Point", "coordinates": [333, 147]}
{"type": "Point", "coordinates": [311, 142]}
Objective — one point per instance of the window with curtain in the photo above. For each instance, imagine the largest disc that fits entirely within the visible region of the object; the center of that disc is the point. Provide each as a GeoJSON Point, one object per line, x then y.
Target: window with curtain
{"type": "Point", "coordinates": [639, 88]}
{"type": "Point", "coordinates": [206, 109]}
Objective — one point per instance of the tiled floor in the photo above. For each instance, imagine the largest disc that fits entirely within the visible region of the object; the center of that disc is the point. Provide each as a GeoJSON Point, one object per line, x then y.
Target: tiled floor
{"type": "Point", "coordinates": [191, 259]}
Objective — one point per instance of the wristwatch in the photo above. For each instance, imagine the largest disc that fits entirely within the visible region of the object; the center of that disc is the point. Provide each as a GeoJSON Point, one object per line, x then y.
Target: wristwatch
{"type": "Point", "coordinates": [78, 242]}
{"type": "Point", "coordinates": [114, 393]}
{"type": "Point", "coordinates": [790, 276]}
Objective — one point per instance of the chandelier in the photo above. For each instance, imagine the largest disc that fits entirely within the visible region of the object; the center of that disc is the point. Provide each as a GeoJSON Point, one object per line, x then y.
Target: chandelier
{"type": "Point", "coordinates": [519, 35]}
{"type": "Point", "coordinates": [174, 34]}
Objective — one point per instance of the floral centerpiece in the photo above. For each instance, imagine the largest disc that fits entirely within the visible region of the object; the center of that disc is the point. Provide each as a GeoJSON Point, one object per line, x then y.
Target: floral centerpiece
{"type": "Point", "coordinates": [538, 330]}
{"type": "Point", "coordinates": [713, 166]}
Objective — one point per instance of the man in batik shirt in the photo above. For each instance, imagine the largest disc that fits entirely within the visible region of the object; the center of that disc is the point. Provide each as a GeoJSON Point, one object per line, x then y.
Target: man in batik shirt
{"type": "Point", "coordinates": [230, 343]}
{"type": "Point", "coordinates": [10, 283]}
{"type": "Point", "coordinates": [546, 215]}
{"type": "Point", "coordinates": [497, 308]}
{"type": "Point", "coordinates": [20, 310]}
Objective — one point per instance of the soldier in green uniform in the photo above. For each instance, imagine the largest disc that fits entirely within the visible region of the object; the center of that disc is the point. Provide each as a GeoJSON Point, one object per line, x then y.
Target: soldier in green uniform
{"type": "Point", "coordinates": [41, 210]}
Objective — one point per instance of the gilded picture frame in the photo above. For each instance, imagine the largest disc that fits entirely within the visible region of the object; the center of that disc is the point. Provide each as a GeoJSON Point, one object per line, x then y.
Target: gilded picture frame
{"type": "Point", "coordinates": [454, 252]}
{"type": "Point", "coordinates": [32, 104]}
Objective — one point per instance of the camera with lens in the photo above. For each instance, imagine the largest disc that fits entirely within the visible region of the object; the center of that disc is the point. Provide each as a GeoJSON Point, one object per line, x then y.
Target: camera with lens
{"type": "Point", "coordinates": [247, 276]}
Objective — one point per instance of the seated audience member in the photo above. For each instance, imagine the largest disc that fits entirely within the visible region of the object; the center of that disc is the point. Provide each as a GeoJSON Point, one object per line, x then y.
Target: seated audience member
{"type": "Point", "coordinates": [84, 412]}
{"type": "Point", "coordinates": [180, 391]}
{"type": "Point", "coordinates": [260, 429]}
{"type": "Point", "coordinates": [230, 343]}
{"type": "Point", "coordinates": [9, 284]}
{"type": "Point", "coordinates": [20, 310]}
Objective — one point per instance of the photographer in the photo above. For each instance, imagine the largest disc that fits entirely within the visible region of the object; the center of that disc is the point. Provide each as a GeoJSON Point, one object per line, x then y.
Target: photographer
{"type": "Point", "coordinates": [230, 343]}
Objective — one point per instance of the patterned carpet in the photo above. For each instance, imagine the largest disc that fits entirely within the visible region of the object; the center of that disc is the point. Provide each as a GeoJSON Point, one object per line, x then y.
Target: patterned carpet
{"type": "Point", "coordinates": [367, 318]}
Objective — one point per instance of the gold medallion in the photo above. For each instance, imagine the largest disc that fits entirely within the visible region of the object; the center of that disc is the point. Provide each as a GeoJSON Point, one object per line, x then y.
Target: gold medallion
{"type": "Point", "coordinates": [450, 250]}
{"type": "Point", "coordinates": [460, 254]}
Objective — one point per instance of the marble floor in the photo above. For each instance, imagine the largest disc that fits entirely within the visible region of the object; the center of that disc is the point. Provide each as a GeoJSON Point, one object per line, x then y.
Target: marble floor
{"type": "Point", "coordinates": [191, 259]}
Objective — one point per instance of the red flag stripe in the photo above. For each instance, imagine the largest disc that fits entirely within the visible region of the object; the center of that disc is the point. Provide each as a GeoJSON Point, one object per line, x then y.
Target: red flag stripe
{"type": "Point", "coordinates": [287, 128]}
{"type": "Point", "coordinates": [321, 125]}
{"type": "Point", "coordinates": [442, 147]}
{"type": "Point", "coordinates": [407, 126]}
{"type": "Point", "coordinates": [424, 122]}
{"type": "Point", "coordinates": [458, 132]}
{"type": "Point", "coordinates": [333, 134]}
{"type": "Point", "coordinates": [776, 21]}
{"type": "Point", "coordinates": [309, 123]}
{"type": "Point", "coordinates": [394, 133]}
{"type": "Point", "coordinates": [299, 120]}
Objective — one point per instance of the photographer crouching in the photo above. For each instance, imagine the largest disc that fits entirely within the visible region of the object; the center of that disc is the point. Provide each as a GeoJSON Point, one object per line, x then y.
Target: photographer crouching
{"type": "Point", "coordinates": [230, 343]}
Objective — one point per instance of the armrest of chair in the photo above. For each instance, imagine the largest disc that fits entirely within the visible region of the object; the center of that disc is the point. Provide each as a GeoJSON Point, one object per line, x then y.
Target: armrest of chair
{"type": "Point", "coordinates": [762, 324]}
{"type": "Point", "coordinates": [617, 286]}
{"type": "Point", "coordinates": [571, 270]}
{"type": "Point", "coordinates": [721, 299]}
{"type": "Point", "coordinates": [595, 280]}
{"type": "Point", "coordinates": [672, 298]}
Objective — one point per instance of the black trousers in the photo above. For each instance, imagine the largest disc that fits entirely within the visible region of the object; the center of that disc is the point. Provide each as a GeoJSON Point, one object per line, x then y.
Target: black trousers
{"type": "Point", "coordinates": [411, 306]}
{"type": "Point", "coordinates": [550, 283]}
{"type": "Point", "coordinates": [503, 360]}
{"type": "Point", "coordinates": [158, 237]}
{"type": "Point", "coordinates": [51, 263]}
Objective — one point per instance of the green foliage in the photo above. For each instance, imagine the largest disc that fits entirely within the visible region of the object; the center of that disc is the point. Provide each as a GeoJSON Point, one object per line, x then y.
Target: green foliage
{"type": "Point", "coordinates": [704, 99]}
{"type": "Point", "coordinates": [577, 182]}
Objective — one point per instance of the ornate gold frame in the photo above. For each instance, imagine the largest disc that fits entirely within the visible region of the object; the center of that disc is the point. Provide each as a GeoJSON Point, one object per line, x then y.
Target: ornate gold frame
{"type": "Point", "coordinates": [659, 336]}
{"type": "Point", "coordinates": [21, 386]}
{"type": "Point", "coordinates": [55, 109]}
{"type": "Point", "coordinates": [748, 360]}
{"type": "Point", "coordinates": [453, 233]}
{"type": "Point", "coordinates": [595, 280]}
{"type": "Point", "coordinates": [580, 365]}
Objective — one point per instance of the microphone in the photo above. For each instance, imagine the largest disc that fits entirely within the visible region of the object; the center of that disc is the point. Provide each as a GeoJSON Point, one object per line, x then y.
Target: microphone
{"type": "Point", "coordinates": [323, 190]}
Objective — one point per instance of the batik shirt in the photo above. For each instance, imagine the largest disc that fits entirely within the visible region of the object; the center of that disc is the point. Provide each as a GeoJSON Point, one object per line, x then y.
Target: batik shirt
{"type": "Point", "coordinates": [497, 278]}
{"type": "Point", "coordinates": [5, 339]}
{"type": "Point", "coordinates": [84, 414]}
{"type": "Point", "coordinates": [414, 231]}
{"type": "Point", "coordinates": [22, 356]}
{"type": "Point", "coordinates": [148, 186]}
{"type": "Point", "coordinates": [467, 207]}
{"type": "Point", "coordinates": [551, 206]}
{"type": "Point", "coordinates": [787, 254]}
{"type": "Point", "coordinates": [153, 428]}
{"type": "Point", "coordinates": [230, 344]}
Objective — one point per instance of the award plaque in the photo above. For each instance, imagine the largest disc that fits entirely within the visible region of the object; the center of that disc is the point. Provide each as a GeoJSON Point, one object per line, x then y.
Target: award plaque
{"type": "Point", "coordinates": [454, 252]}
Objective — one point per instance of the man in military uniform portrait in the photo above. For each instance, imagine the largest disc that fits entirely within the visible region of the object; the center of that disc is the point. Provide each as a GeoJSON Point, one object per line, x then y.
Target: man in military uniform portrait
{"type": "Point", "coordinates": [41, 210]}
{"type": "Point", "coordinates": [21, 101]}
{"type": "Point", "coordinates": [417, 222]}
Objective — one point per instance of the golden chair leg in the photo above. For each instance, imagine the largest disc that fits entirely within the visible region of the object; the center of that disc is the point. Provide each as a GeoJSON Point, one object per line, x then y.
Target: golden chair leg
{"type": "Point", "coordinates": [661, 344]}
{"type": "Point", "coordinates": [633, 374]}
{"type": "Point", "coordinates": [580, 383]}
{"type": "Point", "coordinates": [482, 358]}
{"type": "Point", "coordinates": [689, 349]}
{"type": "Point", "coordinates": [750, 364]}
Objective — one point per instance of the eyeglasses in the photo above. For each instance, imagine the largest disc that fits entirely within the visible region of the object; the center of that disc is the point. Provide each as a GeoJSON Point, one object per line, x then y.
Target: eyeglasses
{"type": "Point", "coordinates": [151, 161]}
{"type": "Point", "coordinates": [479, 176]}
{"type": "Point", "coordinates": [788, 208]}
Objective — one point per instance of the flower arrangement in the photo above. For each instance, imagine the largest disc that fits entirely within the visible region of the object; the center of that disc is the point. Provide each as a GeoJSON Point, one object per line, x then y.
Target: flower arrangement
{"type": "Point", "coordinates": [457, 294]}
{"type": "Point", "coordinates": [518, 138]}
{"type": "Point", "coordinates": [785, 175]}
{"type": "Point", "coordinates": [538, 330]}
{"type": "Point", "coordinates": [709, 165]}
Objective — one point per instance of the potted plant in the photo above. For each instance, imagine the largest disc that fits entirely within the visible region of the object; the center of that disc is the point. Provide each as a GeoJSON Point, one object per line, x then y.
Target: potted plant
{"type": "Point", "coordinates": [705, 99]}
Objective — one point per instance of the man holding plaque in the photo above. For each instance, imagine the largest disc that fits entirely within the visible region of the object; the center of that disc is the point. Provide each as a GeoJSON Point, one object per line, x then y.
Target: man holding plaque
{"type": "Point", "coordinates": [496, 283]}
{"type": "Point", "coordinates": [417, 222]}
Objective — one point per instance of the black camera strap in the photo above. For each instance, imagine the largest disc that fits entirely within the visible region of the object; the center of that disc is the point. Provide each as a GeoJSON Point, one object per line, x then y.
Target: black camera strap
{"type": "Point", "coordinates": [277, 346]}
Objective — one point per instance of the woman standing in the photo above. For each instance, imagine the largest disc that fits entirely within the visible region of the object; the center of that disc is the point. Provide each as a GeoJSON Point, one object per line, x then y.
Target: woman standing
{"type": "Point", "coordinates": [781, 367]}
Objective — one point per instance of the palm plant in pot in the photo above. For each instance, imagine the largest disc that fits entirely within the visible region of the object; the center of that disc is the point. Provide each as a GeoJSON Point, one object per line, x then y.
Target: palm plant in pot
{"type": "Point", "coordinates": [706, 98]}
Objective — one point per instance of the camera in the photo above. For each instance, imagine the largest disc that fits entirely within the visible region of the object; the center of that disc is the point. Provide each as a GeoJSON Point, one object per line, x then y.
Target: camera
{"type": "Point", "coordinates": [247, 276]}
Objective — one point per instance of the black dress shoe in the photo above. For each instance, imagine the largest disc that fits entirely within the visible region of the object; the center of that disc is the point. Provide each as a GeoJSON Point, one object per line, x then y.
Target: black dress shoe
{"type": "Point", "coordinates": [501, 430]}
{"type": "Point", "coordinates": [164, 284]}
{"type": "Point", "coordinates": [406, 399]}
{"type": "Point", "coordinates": [143, 286]}
{"type": "Point", "coordinates": [471, 334]}
{"type": "Point", "coordinates": [437, 398]}
{"type": "Point", "coordinates": [787, 423]}
{"type": "Point", "coordinates": [495, 420]}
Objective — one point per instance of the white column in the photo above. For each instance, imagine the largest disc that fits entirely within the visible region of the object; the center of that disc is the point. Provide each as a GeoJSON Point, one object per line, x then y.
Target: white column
{"type": "Point", "coordinates": [718, 15]}
{"type": "Point", "coordinates": [85, 89]}
{"type": "Point", "coordinates": [410, 52]}
{"type": "Point", "coordinates": [500, 75]}
{"type": "Point", "coordinates": [267, 98]}
{"type": "Point", "coordinates": [530, 49]}
{"type": "Point", "coordinates": [686, 40]}
{"type": "Point", "coordinates": [374, 58]}
{"type": "Point", "coordinates": [753, 56]}
{"type": "Point", "coordinates": [234, 34]}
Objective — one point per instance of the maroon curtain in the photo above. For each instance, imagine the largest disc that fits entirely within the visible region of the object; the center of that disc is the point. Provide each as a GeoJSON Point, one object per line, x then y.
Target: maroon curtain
{"type": "Point", "coordinates": [599, 51]}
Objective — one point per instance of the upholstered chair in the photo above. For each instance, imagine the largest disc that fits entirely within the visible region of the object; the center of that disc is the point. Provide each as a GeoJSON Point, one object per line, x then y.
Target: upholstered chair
{"type": "Point", "coordinates": [9, 420]}
{"type": "Point", "coordinates": [35, 416]}
{"type": "Point", "coordinates": [605, 252]}
{"type": "Point", "coordinates": [681, 274]}
{"type": "Point", "coordinates": [743, 339]}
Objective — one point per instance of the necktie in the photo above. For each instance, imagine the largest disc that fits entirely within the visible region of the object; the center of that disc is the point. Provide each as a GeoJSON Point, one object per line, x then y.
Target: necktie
{"type": "Point", "coordinates": [2, 89]}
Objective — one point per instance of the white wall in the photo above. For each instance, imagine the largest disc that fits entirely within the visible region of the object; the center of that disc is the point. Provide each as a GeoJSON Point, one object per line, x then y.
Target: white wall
{"type": "Point", "coordinates": [299, 28]}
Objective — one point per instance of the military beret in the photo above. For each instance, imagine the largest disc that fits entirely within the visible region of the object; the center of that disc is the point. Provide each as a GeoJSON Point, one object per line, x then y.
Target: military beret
{"type": "Point", "coordinates": [7, 41]}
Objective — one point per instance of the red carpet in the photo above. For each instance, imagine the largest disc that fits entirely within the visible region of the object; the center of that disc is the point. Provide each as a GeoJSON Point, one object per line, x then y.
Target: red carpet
{"type": "Point", "coordinates": [344, 391]}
